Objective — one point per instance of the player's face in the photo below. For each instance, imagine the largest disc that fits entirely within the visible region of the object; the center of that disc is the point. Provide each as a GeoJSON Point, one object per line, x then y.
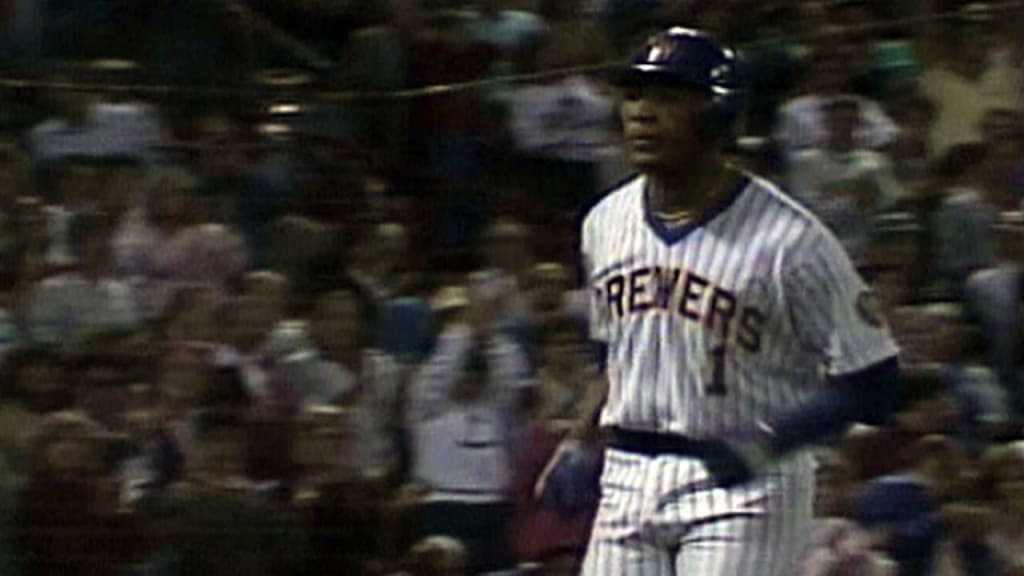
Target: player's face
{"type": "Point", "coordinates": [658, 124]}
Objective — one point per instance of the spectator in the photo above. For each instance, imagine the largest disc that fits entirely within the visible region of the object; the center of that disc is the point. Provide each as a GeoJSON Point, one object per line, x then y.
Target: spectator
{"type": "Point", "coordinates": [387, 279]}
{"type": "Point", "coordinates": [121, 182]}
{"type": "Point", "coordinates": [290, 361]}
{"type": "Point", "coordinates": [836, 484]}
{"type": "Point", "coordinates": [801, 121]}
{"type": "Point", "coordinates": [67, 522]}
{"type": "Point", "coordinates": [1001, 173]}
{"type": "Point", "coordinates": [249, 320]}
{"type": "Point", "coordinates": [578, 38]}
{"type": "Point", "coordinates": [465, 414]}
{"type": "Point", "coordinates": [74, 186]}
{"type": "Point", "coordinates": [1006, 465]}
{"type": "Point", "coordinates": [218, 499]}
{"type": "Point", "coordinates": [555, 529]}
{"type": "Point", "coordinates": [182, 408]}
{"type": "Point", "coordinates": [451, 124]}
{"type": "Point", "coordinates": [164, 247]}
{"type": "Point", "coordinates": [964, 549]}
{"type": "Point", "coordinates": [982, 400]}
{"type": "Point", "coordinates": [300, 248]}
{"type": "Point", "coordinates": [563, 376]}
{"type": "Point", "coordinates": [562, 132]}
{"type": "Point", "coordinates": [845, 184]}
{"type": "Point", "coordinates": [968, 517]}
{"type": "Point", "coordinates": [512, 32]}
{"type": "Point", "coordinates": [190, 317]}
{"type": "Point", "coordinates": [549, 295]}
{"type": "Point", "coordinates": [31, 242]}
{"type": "Point", "coordinates": [911, 153]}
{"type": "Point", "coordinates": [34, 385]}
{"type": "Point", "coordinates": [966, 82]}
{"type": "Point", "coordinates": [566, 123]}
{"type": "Point", "coordinates": [322, 453]}
{"type": "Point", "coordinates": [964, 225]}
{"type": "Point", "coordinates": [238, 190]}
{"type": "Point", "coordinates": [901, 510]}
{"type": "Point", "coordinates": [837, 543]}
{"type": "Point", "coordinates": [86, 124]}
{"type": "Point", "coordinates": [351, 373]}
{"type": "Point", "coordinates": [994, 298]}
{"type": "Point", "coordinates": [892, 265]}
{"type": "Point", "coordinates": [894, 69]}
{"type": "Point", "coordinates": [67, 307]}
{"type": "Point", "coordinates": [405, 329]}
{"type": "Point", "coordinates": [380, 264]}
{"type": "Point", "coordinates": [217, 459]}
{"type": "Point", "coordinates": [220, 168]}
{"type": "Point", "coordinates": [13, 185]}
{"type": "Point", "coordinates": [171, 423]}
{"type": "Point", "coordinates": [383, 57]}
{"type": "Point", "coordinates": [504, 280]}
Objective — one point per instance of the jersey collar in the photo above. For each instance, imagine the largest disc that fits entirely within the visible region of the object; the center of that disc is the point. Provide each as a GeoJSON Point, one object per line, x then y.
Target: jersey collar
{"type": "Point", "coordinates": [673, 234]}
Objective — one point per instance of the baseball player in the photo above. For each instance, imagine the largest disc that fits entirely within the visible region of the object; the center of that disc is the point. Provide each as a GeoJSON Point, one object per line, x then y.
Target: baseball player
{"type": "Point", "coordinates": [737, 332]}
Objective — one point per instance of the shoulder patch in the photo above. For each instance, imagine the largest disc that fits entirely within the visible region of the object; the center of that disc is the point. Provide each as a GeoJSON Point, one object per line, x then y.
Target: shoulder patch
{"type": "Point", "coordinates": [870, 309]}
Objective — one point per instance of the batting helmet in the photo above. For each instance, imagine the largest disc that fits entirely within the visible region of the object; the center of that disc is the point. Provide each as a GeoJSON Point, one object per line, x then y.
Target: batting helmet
{"type": "Point", "coordinates": [687, 58]}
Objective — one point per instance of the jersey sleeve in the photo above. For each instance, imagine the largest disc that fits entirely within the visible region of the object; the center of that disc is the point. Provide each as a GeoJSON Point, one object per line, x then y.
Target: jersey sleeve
{"type": "Point", "coordinates": [833, 311]}
{"type": "Point", "coordinates": [596, 312]}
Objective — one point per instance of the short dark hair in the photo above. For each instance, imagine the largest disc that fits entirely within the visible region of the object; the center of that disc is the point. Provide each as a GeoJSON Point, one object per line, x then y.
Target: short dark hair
{"type": "Point", "coordinates": [843, 102]}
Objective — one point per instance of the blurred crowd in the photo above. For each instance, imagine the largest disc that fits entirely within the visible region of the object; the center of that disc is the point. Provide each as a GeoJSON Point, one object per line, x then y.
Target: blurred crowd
{"type": "Point", "coordinates": [272, 332]}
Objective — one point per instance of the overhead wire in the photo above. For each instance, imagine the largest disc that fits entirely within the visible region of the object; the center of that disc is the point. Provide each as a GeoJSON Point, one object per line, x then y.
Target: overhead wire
{"type": "Point", "coordinates": [351, 95]}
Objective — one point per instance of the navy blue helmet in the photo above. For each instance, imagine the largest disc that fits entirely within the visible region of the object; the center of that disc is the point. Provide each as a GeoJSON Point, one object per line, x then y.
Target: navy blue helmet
{"type": "Point", "coordinates": [691, 59]}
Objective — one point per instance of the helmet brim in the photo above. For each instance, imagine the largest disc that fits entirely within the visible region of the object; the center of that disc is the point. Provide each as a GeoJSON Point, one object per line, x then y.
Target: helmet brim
{"type": "Point", "coordinates": [639, 75]}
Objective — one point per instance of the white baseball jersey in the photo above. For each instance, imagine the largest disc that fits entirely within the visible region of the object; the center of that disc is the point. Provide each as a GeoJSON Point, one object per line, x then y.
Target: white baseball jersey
{"type": "Point", "coordinates": [711, 327]}
{"type": "Point", "coordinates": [726, 320]}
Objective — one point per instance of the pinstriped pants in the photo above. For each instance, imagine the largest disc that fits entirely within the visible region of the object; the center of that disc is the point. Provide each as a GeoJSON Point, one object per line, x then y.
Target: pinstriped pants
{"type": "Point", "coordinates": [659, 517]}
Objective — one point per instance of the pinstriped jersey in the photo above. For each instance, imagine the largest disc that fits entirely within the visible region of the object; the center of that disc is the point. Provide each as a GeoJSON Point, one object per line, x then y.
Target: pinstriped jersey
{"type": "Point", "coordinates": [722, 322]}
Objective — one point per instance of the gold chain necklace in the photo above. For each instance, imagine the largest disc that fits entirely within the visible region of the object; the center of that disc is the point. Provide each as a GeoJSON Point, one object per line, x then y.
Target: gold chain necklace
{"type": "Point", "coordinates": [682, 216]}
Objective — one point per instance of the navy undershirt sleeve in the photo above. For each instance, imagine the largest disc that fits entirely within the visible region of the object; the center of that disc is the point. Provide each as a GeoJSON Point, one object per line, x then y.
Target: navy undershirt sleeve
{"type": "Point", "coordinates": [868, 396]}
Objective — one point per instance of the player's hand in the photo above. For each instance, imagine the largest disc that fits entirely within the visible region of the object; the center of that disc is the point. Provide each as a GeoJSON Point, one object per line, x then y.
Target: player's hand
{"type": "Point", "coordinates": [563, 449]}
{"type": "Point", "coordinates": [569, 484]}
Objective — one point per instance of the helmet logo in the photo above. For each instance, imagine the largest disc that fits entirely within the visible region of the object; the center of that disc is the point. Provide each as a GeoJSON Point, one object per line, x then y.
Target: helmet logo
{"type": "Point", "coordinates": [661, 50]}
{"type": "Point", "coordinates": [719, 73]}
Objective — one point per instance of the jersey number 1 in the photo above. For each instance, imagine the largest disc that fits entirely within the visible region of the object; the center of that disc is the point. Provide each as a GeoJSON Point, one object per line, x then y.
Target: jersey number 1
{"type": "Point", "coordinates": [716, 387]}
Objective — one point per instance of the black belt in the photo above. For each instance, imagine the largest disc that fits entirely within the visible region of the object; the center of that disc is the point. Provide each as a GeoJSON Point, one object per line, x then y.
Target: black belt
{"type": "Point", "coordinates": [657, 443]}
